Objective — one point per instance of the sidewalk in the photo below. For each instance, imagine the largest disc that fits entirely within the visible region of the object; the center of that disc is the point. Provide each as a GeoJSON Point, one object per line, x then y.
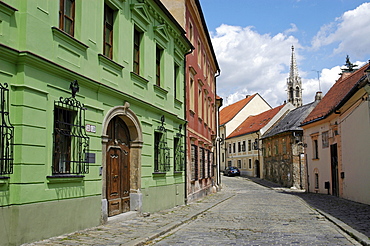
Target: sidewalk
{"type": "Point", "coordinates": [138, 230]}
{"type": "Point", "coordinates": [352, 217]}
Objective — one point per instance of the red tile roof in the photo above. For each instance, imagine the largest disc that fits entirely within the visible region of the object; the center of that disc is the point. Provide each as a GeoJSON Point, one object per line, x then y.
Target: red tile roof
{"type": "Point", "coordinates": [256, 122]}
{"type": "Point", "coordinates": [229, 112]}
{"type": "Point", "coordinates": [335, 95]}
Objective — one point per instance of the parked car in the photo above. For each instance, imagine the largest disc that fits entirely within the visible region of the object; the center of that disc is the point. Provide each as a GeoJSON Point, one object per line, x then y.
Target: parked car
{"type": "Point", "coordinates": [231, 171]}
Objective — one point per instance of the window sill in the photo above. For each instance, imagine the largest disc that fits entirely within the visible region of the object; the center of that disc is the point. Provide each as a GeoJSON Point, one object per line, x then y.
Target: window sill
{"type": "Point", "coordinates": [65, 178]}
{"type": "Point", "coordinates": [159, 173]}
{"type": "Point", "coordinates": [62, 35]}
{"type": "Point", "coordinates": [160, 90]}
{"type": "Point", "coordinates": [4, 180]}
{"type": "Point", "coordinates": [139, 81]}
{"type": "Point", "coordinates": [7, 9]}
{"type": "Point", "coordinates": [315, 159]}
{"type": "Point", "coordinates": [177, 172]}
{"type": "Point", "coordinates": [109, 62]}
{"type": "Point", "coordinates": [178, 103]}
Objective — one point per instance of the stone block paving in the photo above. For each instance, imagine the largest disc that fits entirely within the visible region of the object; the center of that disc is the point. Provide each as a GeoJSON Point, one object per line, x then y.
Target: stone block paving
{"type": "Point", "coordinates": [354, 217]}
{"type": "Point", "coordinates": [258, 216]}
{"type": "Point", "coordinates": [243, 213]}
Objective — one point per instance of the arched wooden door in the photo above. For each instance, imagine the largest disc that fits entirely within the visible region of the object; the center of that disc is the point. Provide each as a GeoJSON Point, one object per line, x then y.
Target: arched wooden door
{"type": "Point", "coordinates": [118, 167]}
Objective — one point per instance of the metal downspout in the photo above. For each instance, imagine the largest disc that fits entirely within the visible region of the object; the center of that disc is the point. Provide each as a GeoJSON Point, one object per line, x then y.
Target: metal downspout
{"type": "Point", "coordinates": [185, 129]}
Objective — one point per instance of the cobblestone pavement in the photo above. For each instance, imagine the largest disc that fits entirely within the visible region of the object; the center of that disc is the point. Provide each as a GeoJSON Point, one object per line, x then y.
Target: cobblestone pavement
{"type": "Point", "coordinates": [243, 213]}
{"type": "Point", "coordinates": [354, 217]}
{"type": "Point", "coordinates": [258, 216]}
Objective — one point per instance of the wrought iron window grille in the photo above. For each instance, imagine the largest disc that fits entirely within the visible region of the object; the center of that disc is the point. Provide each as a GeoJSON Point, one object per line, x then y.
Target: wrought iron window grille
{"type": "Point", "coordinates": [161, 149]}
{"type": "Point", "coordinates": [194, 162]}
{"type": "Point", "coordinates": [6, 133]}
{"type": "Point", "coordinates": [202, 163]}
{"type": "Point", "coordinates": [179, 152]}
{"type": "Point", "coordinates": [71, 143]}
{"type": "Point", "coordinates": [209, 164]}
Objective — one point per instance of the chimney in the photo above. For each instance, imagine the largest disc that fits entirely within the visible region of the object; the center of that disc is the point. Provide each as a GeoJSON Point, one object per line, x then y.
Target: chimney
{"type": "Point", "coordinates": [247, 96]}
{"type": "Point", "coordinates": [318, 96]}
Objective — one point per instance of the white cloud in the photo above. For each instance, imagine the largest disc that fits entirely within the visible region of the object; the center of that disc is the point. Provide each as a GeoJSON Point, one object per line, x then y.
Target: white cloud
{"type": "Point", "coordinates": [350, 33]}
{"type": "Point", "coordinates": [327, 78]}
{"type": "Point", "coordinates": [252, 63]}
{"type": "Point", "coordinates": [293, 28]}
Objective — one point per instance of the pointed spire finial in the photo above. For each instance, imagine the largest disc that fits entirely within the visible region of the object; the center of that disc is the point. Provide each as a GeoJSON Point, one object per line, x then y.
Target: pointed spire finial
{"type": "Point", "coordinates": [294, 83]}
{"type": "Point", "coordinates": [293, 65]}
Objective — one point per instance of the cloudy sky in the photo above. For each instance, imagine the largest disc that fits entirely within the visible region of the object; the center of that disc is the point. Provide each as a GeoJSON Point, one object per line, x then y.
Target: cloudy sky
{"type": "Point", "coordinates": [252, 40]}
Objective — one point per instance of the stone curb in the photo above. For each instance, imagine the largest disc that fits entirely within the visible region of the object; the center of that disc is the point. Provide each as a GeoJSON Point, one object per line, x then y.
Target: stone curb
{"type": "Point", "coordinates": [163, 230]}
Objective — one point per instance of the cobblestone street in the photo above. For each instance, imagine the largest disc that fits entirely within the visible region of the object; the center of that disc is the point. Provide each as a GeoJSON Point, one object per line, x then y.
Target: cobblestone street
{"type": "Point", "coordinates": [243, 213]}
{"type": "Point", "coordinates": [258, 216]}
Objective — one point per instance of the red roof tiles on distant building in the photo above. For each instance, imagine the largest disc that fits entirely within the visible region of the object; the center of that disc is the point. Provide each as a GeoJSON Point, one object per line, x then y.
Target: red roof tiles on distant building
{"type": "Point", "coordinates": [335, 95]}
{"type": "Point", "coordinates": [229, 112]}
{"type": "Point", "coordinates": [256, 122]}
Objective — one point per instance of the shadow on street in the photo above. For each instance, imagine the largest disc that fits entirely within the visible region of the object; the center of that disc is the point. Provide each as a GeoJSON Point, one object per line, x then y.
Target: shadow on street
{"type": "Point", "coordinates": [354, 214]}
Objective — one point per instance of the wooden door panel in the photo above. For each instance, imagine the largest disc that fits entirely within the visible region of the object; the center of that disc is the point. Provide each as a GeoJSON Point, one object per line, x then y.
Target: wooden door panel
{"type": "Point", "coordinates": [125, 204]}
{"type": "Point", "coordinates": [118, 167]}
{"type": "Point", "coordinates": [114, 207]}
{"type": "Point", "coordinates": [114, 177]}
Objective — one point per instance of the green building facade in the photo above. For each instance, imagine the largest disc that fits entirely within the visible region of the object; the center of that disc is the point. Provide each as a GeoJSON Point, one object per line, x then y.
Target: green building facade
{"type": "Point", "coordinates": [92, 99]}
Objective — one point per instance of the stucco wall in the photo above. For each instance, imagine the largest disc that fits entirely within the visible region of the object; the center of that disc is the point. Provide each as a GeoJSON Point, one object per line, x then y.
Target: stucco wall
{"type": "Point", "coordinates": [355, 131]}
{"type": "Point", "coordinates": [320, 165]}
{"type": "Point", "coordinates": [256, 106]}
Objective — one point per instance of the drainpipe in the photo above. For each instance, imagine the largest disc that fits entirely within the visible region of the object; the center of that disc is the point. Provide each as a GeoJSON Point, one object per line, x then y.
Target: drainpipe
{"type": "Point", "coordinates": [185, 128]}
{"type": "Point", "coordinates": [218, 140]}
{"type": "Point", "coordinates": [259, 160]}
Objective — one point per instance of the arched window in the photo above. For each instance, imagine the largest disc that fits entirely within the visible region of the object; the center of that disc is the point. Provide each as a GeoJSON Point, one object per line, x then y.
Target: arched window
{"type": "Point", "coordinates": [297, 92]}
{"type": "Point", "coordinates": [290, 93]}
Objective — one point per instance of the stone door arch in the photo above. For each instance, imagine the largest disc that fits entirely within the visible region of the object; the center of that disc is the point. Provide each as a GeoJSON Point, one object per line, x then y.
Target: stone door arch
{"type": "Point", "coordinates": [135, 145]}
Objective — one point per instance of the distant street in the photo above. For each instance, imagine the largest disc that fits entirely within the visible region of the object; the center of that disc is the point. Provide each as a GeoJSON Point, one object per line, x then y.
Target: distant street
{"type": "Point", "coordinates": [256, 215]}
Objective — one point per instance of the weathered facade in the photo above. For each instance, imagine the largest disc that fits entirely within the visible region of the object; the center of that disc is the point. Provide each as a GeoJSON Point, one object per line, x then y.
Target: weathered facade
{"type": "Point", "coordinates": [96, 113]}
{"type": "Point", "coordinates": [283, 155]}
{"type": "Point", "coordinates": [201, 107]}
{"type": "Point", "coordinates": [336, 135]}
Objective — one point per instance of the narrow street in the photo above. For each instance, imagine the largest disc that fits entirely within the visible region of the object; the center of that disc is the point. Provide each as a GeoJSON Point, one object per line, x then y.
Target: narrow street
{"type": "Point", "coordinates": [256, 215]}
{"type": "Point", "coordinates": [243, 213]}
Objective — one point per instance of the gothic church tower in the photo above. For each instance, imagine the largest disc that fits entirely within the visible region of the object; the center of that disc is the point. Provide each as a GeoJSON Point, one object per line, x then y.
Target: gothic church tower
{"type": "Point", "coordinates": [294, 83]}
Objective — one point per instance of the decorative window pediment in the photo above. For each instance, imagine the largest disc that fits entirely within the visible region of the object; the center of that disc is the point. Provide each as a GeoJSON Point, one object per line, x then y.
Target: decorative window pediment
{"type": "Point", "coordinates": [161, 33]}
{"type": "Point", "coordinates": [141, 13]}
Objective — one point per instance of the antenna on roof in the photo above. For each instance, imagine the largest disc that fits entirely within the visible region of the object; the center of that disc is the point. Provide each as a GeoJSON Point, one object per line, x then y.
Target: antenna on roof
{"type": "Point", "coordinates": [318, 78]}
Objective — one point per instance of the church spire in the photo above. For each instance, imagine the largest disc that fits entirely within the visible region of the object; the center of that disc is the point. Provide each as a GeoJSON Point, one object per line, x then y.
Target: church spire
{"type": "Point", "coordinates": [293, 65]}
{"type": "Point", "coordinates": [294, 83]}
